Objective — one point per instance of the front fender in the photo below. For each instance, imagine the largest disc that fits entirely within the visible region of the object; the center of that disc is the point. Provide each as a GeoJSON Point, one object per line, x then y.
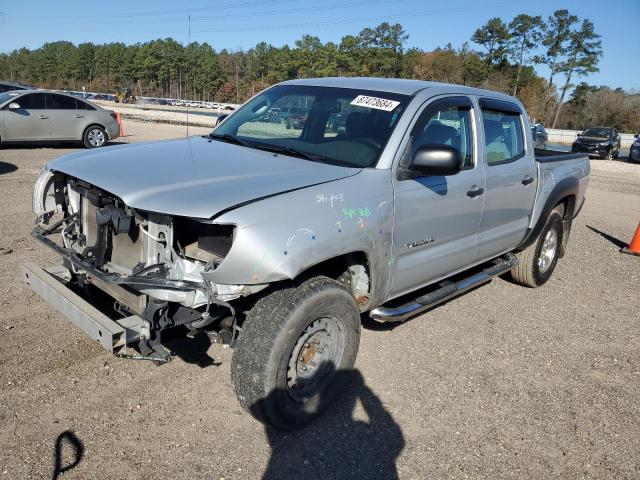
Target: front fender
{"type": "Point", "coordinates": [279, 237]}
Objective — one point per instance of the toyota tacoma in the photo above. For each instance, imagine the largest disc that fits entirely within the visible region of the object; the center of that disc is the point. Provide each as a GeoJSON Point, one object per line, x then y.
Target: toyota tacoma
{"type": "Point", "coordinates": [280, 241]}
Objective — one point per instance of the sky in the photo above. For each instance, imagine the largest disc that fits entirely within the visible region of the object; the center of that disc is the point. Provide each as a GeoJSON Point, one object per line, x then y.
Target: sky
{"type": "Point", "coordinates": [235, 24]}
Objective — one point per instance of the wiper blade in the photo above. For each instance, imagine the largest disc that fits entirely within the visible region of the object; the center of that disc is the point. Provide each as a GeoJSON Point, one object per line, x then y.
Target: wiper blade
{"type": "Point", "coordinates": [230, 139]}
{"type": "Point", "coordinates": [289, 151]}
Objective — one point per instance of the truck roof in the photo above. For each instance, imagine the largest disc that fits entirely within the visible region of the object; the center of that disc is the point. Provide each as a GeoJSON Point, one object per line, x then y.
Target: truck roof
{"type": "Point", "coordinates": [395, 85]}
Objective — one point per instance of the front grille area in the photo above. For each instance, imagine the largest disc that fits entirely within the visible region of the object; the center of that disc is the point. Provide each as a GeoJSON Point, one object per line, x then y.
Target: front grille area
{"type": "Point", "coordinates": [101, 243]}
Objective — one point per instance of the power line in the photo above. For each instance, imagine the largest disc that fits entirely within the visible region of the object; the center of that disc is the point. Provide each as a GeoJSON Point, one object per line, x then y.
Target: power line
{"type": "Point", "coordinates": [356, 20]}
{"type": "Point", "coordinates": [180, 12]}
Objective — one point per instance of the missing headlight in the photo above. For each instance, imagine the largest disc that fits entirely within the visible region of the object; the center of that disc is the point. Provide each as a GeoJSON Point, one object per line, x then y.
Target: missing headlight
{"type": "Point", "coordinates": [206, 242]}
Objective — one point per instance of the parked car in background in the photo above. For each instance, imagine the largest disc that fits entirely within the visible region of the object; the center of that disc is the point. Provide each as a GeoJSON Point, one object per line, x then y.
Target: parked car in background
{"type": "Point", "coordinates": [9, 86]}
{"type": "Point", "coordinates": [44, 116]}
{"type": "Point", "coordinates": [540, 136]}
{"type": "Point", "coordinates": [634, 151]}
{"type": "Point", "coordinates": [603, 142]}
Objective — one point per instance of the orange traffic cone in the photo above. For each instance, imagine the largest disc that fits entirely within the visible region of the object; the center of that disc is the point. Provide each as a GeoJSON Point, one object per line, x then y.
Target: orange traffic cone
{"type": "Point", "coordinates": [634, 246]}
{"type": "Point", "coordinates": [119, 120]}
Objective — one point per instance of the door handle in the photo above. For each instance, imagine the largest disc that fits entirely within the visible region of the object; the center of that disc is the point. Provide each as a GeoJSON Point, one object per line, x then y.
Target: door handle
{"type": "Point", "coordinates": [475, 191]}
{"type": "Point", "coordinates": [79, 116]}
{"type": "Point", "coordinates": [43, 117]}
{"type": "Point", "coordinates": [527, 180]}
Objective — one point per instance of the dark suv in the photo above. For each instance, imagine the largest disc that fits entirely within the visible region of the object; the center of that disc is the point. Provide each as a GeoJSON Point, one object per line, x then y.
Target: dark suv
{"type": "Point", "coordinates": [603, 142]}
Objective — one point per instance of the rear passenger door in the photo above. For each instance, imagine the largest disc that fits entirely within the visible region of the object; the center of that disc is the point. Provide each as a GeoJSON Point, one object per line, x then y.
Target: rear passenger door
{"type": "Point", "coordinates": [511, 178]}
{"type": "Point", "coordinates": [30, 121]}
{"type": "Point", "coordinates": [65, 118]}
{"type": "Point", "coordinates": [436, 217]}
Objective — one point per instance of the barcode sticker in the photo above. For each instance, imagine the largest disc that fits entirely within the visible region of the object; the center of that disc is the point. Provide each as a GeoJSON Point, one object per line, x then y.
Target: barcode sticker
{"type": "Point", "coordinates": [375, 102]}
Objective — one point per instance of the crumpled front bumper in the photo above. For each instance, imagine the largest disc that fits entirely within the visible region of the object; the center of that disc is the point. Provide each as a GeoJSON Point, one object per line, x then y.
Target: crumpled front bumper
{"type": "Point", "coordinates": [113, 335]}
{"type": "Point", "coordinates": [590, 149]}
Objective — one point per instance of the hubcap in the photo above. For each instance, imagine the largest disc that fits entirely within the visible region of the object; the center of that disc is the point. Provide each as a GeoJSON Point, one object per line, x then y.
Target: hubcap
{"type": "Point", "coordinates": [548, 250]}
{"type": "Point", "coordinates": [314, 360]}
{"type": "Point", "coordinates": [96, 137]}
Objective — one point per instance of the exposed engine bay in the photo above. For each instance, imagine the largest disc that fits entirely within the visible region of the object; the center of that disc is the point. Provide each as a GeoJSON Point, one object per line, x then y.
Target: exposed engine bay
{"type": "Point", "coordinates": [152, 265]}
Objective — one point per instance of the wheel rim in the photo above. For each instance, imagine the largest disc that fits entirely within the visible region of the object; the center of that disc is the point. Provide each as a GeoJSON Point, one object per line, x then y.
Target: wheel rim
{"type": "Point", "coordinates": [96, 137]}
{"type": "Point", "coordinates": [548, 250]}
{"type": "Point", "coordinates": [315, 358]}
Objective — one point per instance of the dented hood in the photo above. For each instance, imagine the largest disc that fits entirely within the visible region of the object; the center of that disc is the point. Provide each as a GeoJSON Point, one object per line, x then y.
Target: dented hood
{"type": "Point", "coordinates": [194, 177]}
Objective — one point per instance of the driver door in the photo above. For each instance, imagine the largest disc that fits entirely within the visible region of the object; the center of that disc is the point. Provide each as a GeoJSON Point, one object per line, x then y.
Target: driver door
{"type": "Point", "coordinates": [437, 217]}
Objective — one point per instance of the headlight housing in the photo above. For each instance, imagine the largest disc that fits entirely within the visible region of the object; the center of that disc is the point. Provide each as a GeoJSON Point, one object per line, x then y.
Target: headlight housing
{"type": "Point", "coordinates": [44, 202]}
{"type": "Point", "coordinates": [206, 242]}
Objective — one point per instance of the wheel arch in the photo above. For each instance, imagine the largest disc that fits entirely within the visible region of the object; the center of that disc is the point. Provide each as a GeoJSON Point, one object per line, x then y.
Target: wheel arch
{"type": "Point", "coordinates": [564, 193]}
{"type": "Point", "coordinates": [94, 124]}
{"type": "Point", "coordinates": [352, 269]}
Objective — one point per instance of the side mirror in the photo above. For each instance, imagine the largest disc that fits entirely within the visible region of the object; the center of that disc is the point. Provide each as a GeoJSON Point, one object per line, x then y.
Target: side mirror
{"type": "Point", "coordinates": [221, 119]}
{"type": "Point", "coordinates": [433, 159]}
{"type": "Point", "coordinates": [14, 106]}
{"type": "Point", "coordinates": [635, 136]}
{"type": "Point", "coordinates": [578, 134]}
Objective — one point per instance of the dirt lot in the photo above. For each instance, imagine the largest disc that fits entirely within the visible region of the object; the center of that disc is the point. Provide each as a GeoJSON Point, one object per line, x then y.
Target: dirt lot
{"type": "Point", "coordinates": [505, 382]}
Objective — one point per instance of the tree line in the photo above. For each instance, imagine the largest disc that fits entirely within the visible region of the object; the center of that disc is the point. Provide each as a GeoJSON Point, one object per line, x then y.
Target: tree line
{"type": "Point", "coordinates": [500, 56]}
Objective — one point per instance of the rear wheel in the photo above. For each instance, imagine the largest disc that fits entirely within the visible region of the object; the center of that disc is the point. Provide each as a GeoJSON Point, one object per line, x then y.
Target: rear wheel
{"type": "Point", "coordinates": [94, 137]}
{"type": "Point", "coordinates": [296, 344]}
{"type": "Point", "coordinates": [538, 261]}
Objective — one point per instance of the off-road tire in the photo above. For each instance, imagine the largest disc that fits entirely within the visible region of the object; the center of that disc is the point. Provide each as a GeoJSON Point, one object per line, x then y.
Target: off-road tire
{"type": "Point", "coordinates": [528, 273]}
{"type": "Point", "coordinates": [260, 368]}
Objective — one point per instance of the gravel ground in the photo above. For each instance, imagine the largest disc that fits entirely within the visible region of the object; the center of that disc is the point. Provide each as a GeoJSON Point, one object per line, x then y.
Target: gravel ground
{"type": "Point", "coordinates": [504, 382]}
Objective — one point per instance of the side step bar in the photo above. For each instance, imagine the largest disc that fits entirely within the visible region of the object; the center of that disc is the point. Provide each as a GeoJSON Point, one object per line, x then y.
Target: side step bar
{"type": "Point", "coordinates": [446, 291]}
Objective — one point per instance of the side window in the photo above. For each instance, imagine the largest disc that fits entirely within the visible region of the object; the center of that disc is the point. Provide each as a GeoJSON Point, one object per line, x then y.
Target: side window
{"type": "Point", "coordinates": [84, 105]}
{"type": "Point", "coordinates": [449, 125]}
{"type": "Point", "coordinates": [4, 88]}
{"type": "Point", "coordinates": [32, 101]}
{"type": "Point", "coordinates": [60, 102]}
{"type": "Point", "coordinates": [504, 140]}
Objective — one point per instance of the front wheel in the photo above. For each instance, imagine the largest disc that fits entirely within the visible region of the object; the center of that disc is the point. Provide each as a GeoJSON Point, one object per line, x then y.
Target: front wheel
{"type": "Point", "coordinates": [538, 260]}
{"type": "Point", "coordinates": [609, 154]}
{"type": "Point", "coordinates": [94, 137]}
{"type": "Point", "coordinates": [295, 349]}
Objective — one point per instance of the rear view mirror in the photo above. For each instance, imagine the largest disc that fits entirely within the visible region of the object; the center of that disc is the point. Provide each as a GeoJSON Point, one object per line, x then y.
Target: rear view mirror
{"type": "Point", "coordinates": [14, 106]}
{"type": "Point", "coordinates": [436, 160]}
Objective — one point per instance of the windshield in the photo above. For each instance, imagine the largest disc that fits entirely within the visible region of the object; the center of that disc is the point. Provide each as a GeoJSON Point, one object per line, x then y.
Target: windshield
{"type": "Point", "coordinates": [597, 132]}
{"type": "Point", "coordinates": [7, 95]}
{"type": "Point", "coordinates": [345, 126]}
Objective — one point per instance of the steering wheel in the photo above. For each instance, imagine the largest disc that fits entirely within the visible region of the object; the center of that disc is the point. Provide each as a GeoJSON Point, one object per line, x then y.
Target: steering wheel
{"type": "Point", "coordinates": [368, 142]}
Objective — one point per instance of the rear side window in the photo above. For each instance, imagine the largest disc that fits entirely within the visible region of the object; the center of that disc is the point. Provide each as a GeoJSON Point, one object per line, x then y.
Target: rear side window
{"type": "Point", "coordinates": [60, 102]}
{"type": "Point", "coordinates": [84, 105]}
{"type": "Point", "coordinates": [504, 140]}
{"type": "Point", "coordinates": [31, 101]}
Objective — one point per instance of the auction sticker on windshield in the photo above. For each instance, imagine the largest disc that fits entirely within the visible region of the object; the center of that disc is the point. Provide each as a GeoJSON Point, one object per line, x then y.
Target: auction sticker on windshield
{"type": "Point", "coordinates": [375, 102]}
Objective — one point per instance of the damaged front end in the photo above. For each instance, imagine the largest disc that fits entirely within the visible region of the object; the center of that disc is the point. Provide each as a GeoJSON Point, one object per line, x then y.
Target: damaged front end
{"type": "Point", "coordinates": [145, 271]}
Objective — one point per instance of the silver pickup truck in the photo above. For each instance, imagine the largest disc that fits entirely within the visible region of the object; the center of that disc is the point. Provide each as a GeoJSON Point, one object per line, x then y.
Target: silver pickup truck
{"type": "Point", "coordinates": [378, 198]}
